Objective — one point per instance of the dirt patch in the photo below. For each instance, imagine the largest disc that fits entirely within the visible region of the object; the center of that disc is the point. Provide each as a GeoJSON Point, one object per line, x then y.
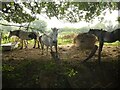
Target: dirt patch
{"type": "Point", "coordinates": [66, 52]}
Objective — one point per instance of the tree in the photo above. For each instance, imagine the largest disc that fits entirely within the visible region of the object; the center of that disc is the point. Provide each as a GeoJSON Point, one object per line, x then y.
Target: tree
{"type": "Point", "coordinates": [5, 28]}
{"type": "Point", "coordinates": [70, 11]}
{"type": "Point", "coordinates": [38, 25]}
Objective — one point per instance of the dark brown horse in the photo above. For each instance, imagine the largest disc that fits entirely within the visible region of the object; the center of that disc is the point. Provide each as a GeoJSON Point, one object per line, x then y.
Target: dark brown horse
{"type": "Point", "coordinates": [103, 36]}
{"type": "Point", "coordinates": [23, 35]}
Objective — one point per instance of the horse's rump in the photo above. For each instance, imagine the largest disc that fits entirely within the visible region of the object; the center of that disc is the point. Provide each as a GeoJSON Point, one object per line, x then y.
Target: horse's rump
{"type": "Point", "coordinates": [116, 34]}
{"type": "Point", "coordinates": [46, 40]}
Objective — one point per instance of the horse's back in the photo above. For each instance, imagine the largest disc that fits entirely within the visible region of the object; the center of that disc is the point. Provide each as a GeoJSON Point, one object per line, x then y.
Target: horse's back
{"type": "Point", "coordinates": [27, 35]}
{"type": "Point", "coordinates": [116, 34]}
{"type": "Point", "coordinates": [45, 40]}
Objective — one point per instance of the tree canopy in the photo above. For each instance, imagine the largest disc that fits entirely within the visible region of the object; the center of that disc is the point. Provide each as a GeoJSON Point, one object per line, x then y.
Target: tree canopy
{"type": "Point", "coordinates": [70, 11]}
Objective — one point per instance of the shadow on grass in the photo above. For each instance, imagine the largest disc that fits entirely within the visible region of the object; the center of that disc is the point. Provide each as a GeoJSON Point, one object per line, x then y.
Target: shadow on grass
{"type": "Point", "coordinates": [48, 74]}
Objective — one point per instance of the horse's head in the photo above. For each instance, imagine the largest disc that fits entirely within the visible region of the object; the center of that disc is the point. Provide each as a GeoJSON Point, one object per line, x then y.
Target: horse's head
{"type": "Point", "coordinates": [91, 31]}
{"type": "Point", "coordinates": [10, 34]}
{"type": "Point", "coordinates": [14, 33]}
{"type": "Point", "coordinates": [54, 34]}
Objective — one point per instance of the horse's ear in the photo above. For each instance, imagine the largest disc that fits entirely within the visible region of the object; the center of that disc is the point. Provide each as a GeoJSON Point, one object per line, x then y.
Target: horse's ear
{"type": "Point", "coordinates": [55, 28]}
{"type": "Point", "coordinates": [90, 29]}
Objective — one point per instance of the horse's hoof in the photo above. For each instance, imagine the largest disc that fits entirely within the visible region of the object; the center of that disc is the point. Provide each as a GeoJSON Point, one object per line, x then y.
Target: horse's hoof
{"type": "Point", "coordinates": [38, 48]}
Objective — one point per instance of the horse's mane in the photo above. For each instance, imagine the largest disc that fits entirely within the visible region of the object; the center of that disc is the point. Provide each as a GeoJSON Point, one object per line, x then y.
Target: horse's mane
{"type": "Point", "coordinates": [97, 30]}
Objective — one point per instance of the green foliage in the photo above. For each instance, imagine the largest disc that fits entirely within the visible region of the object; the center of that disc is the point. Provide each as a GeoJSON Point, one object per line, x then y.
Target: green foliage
{"type": "Point", "coordinates": [5, 38]}
{"type": "Point", "coordinates": [99, 26]}
{"type": "Point", "coordinates": [71, 72]}
{"type": "Point", "coordinates": [13, 12]}
{"type": "Point", "coordinates": [70, 11]}
{"type": "Point", "coordinates": [64, 41]}
{"type": "Point", "coordinates": [7, 68]}
{"type": "Point", "coordinates": [38, 25]}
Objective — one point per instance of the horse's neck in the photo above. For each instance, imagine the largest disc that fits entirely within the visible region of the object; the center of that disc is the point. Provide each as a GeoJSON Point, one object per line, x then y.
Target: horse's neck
{"type": "Point", "coordinates": [97, 33]}
{"type": "Point", "coordinates": [16, 33]}
{"type": "Point", "coordinates": [51, 34]}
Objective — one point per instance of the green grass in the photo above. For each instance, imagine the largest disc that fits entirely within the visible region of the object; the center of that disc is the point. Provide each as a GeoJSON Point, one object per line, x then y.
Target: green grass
{"type": "Point", "coordinates": [64, 41]}
{"type": "Point", "coordinates": [117, 43]}
{"type": "Point", "coordinates": [70, 41]}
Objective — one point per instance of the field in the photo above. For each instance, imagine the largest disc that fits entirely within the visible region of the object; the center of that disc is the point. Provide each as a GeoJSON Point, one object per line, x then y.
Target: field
{"type": "Point", "coordinates": [31, 68]}
{"type": "Point", "coordinates": [27, 68]}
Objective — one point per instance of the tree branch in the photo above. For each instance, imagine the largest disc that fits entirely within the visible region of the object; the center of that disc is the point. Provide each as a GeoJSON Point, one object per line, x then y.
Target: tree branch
{"type": "Point", "coordinates": [22, 26]}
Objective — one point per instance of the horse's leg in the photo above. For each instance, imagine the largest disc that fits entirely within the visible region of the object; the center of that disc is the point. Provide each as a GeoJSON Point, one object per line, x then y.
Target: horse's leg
{"type": "Point", "coordinates": [47, 50]}
{"type": "Point", "coordinates": [22, 44]}
{"type": "Point", "coordinates": [40, 41]}
{"type": "Point", "coordinates": [56, 47]}
{"type": "Point", "coordinates": [51, 48]}
{"type": "Point", "coordinates": [34, 43]}
{"type": "Point", "coordinates": [38, 44]}
{"type": "Point", "coordinates": [42, 47]}
{"type": "Point", "coordinates": [92, 53]}
{"type": "Point", "coordinates": [100, 50]}
{"type": "Point", "coordinates": [25, 44]}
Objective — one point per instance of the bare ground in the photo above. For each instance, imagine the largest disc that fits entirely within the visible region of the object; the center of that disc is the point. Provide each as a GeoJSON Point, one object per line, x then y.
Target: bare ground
{"type": "Point", "coordinates": [27, 68]}
{"type": "Point", "coordinates": [66, 52]}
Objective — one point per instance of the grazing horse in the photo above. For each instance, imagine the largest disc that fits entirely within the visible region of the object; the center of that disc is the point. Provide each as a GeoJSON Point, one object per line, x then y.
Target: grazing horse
{"type": "Point", "coordinates": [103, 36]}
{"type": "Point", "coordinates": [23, 35]}
{"type": "Point", "coordinates": [49, 40]}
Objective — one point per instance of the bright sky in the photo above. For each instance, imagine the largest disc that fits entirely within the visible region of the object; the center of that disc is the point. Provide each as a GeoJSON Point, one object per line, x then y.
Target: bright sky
{"type": "Point", "coordinates": [53, 22]}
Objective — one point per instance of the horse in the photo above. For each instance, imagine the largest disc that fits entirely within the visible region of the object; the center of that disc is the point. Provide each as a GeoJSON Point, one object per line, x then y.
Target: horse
{"type": "Point", "coordinates": [24, 35]}
{"type": "Point", "coordinates": [103, 36]}
{"type": "Point", "coordinates": [49, 40]}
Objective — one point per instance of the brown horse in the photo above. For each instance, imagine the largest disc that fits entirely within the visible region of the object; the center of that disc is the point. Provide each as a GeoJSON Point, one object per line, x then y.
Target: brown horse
{"type": "Point", "coordinates": [23, 35]}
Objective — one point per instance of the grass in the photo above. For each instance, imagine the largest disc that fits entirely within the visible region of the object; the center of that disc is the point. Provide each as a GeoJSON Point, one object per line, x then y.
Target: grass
{"type": "Point", "coordinates": [117, 43]}
{"type": "Point", "coordinates": [64, 41]}
{"type": "Point", "coordinates": [48, 74]}
{"type": "Point", "coordinates": [69, 74]}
